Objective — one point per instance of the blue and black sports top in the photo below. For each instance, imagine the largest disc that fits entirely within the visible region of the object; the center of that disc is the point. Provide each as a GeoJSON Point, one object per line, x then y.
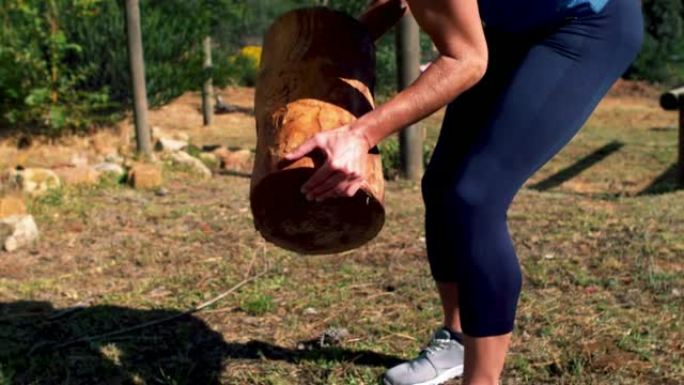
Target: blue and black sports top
{"type": "Point", "coordinates": [526, 15]}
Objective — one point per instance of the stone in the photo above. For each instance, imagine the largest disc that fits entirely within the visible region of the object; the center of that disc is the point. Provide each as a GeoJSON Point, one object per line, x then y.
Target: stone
{"type": "Point", "coordinates": [209, 158]}
{"type": "Point", "coordinates": [78, 160]}
{"type": "Point", "coordinates": [158, 133]}
{"type": "Point", "coordinates": [238, 160]}
{"type": "Point", "coordinates": [18, 231]}
{"type": "Point", "coordinates": [114, 158]}
{"type": "Point", "coordinates": [195, 165]}
{"type": "Point", "coordinates": [161, 192]}
{"type": "Point", "coordinates": [144, 176]}
{"type": "Point", "coordinates": [12, 205]}
{"type": "Point", "coordinates": [172, 145]}
{"type": "Point", "coordinates": [110, 168]}
{"type": "Point", "coordinates": [333, 337]}
{"type": "Point", "coordinates": [34, 181]}
{"type": "Point", "coordinates": [78, 176]}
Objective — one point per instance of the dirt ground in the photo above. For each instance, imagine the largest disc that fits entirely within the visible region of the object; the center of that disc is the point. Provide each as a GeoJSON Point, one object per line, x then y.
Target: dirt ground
{"type": "Point", "coordinates": [599, 232]}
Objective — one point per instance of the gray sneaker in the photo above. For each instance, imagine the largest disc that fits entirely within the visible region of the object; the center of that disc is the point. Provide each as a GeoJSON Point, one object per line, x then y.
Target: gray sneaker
{"type": "Point", "coordinates": [441, 361]}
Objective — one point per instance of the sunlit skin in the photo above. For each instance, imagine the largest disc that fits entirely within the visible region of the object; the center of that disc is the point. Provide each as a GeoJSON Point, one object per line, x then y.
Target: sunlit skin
{"type": "Point", "coordinates": [456, 30]}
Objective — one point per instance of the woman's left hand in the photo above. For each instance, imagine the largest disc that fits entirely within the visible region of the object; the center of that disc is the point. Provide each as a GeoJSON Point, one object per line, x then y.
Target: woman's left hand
{"type": "Point", "coordinates": [344, 169]}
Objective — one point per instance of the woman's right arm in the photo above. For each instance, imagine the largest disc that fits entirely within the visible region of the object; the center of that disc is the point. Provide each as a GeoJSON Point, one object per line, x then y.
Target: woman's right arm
{"type": "Point", "coordinates": [381, 15]}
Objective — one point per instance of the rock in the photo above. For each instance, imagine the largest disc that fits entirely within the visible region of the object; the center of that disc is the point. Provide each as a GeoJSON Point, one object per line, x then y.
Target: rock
{"type": "Point", "coordinates": [144, 176]}
{"type": "Point", "coordinates": [194, 164]}
{"type": "Point", "coordinates": [239, 160]}
{"type": "Point", "coordinates": [78, 176]}
{"type": "Point", "coordinates": [161, 192]}
{"type": "Point", "coordinates": [34, 181]}
{"type": "Point", "coordinates": [332, 337]}
{"type": "Point", "coordinates": [181, 136]}
{"type": "Point", "coordinates": [158, 133]}
{"type": "Point", "coordinates": [209, 158]}
{"type": "Point", "coordinates": [310, 311]}
{"type": "Point", "coordinates": [172, 145]}
{"type": "Point", "coordinates": [17, 231]}
{"type": "Point", "coordinates": [12, 205]}
{"type": "Point", "coordinates": [114, 158]}
{"type": "Point", "coordinates": [110, 168]}
{"type": "Point", "coordinates": [78, 160]}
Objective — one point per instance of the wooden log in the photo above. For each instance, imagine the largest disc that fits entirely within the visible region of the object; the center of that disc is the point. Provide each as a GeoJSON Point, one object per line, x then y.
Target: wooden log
{"type": "Point", "coordinates": [673, 100]}
{"type": "Point", "coordinates": [670, 100]}
{"type": "Point", "coordinates": [317, 73]}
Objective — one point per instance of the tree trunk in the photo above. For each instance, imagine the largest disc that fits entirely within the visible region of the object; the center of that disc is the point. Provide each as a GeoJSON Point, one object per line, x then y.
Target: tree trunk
{"type": "Point", "coordinates": [137, 67]}
{"type": "Point", "coordinates": [317, 74]}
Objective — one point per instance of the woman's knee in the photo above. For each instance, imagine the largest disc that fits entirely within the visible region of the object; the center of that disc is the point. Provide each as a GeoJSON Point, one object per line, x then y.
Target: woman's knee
{"type": "Point", "coordinates": [489, 299]}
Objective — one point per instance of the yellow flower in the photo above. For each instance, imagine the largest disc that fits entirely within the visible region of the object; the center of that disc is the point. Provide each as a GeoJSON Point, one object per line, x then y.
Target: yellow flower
{"type": "Point", "coordinates": [253, 52]}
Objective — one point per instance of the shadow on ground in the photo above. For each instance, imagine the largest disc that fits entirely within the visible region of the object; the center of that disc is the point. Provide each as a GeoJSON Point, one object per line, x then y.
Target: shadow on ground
{"type": "Point", "coordinates": [35, 347]}
{"type": "Point", "coordinates": [663, 183]}
{"type": "Point", "coordinates": [576, 168]}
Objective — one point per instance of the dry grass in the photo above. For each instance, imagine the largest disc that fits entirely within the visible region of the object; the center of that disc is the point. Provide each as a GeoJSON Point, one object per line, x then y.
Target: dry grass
{"type": "Point", "coordinates": [601, 251]}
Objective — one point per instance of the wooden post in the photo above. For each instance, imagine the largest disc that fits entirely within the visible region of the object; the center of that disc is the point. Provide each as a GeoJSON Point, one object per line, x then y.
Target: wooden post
{"type": "Point", "coordinates": [408, 70]}
{"type": "Point", "coordinates": [207, 88]}
{"type": "Point", "coordinates": [137, 68]}
{"type": "Point", "coordinates": [680, 174]}
{"type": "Point", "coordinates": [673, 100]}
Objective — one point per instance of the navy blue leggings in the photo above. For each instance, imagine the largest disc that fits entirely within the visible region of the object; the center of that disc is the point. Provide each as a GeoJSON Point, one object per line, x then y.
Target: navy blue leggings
{"type": "Point", "coordinates": [538, 91]}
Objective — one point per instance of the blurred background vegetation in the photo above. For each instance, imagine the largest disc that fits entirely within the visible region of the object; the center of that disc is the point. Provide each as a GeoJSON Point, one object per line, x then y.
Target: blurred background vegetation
{"type": "Point", "coordinates": [63, 63]}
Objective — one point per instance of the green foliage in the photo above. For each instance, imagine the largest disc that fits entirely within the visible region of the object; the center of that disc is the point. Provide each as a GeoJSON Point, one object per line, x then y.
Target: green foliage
{"type": "Point", "coordinates": [6, 375]}
{"type": "Point", "coordinates": [662, 55]}
{"type": "Point", "coordinates": [53, 197]}
{"type": "Point", "coordinates": [64, 63]}
{"type": "Point", "coordinates": [391, 157]}
{"type": "Point", "coordinates": [259, 305]}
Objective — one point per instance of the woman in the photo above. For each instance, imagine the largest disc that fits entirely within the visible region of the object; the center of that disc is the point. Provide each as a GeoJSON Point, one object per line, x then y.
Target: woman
{"type": "Point", "coordinates": [520, 78]}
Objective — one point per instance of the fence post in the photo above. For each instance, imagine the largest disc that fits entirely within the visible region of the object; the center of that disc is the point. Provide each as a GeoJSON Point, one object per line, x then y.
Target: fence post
{"type": "Point", "coordinates": [408, 70]}
{"type": "Point", "coordinates": [207, 88]}
{"type": "Point", "coordinates": [680, 166]}
{"type": "Point", "coordinates": [137, 68]}
{"type": "Point", "coordinates": [673, 100]}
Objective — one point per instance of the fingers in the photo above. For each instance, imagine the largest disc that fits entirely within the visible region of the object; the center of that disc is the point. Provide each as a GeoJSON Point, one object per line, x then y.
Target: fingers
{"type": "Point", "coordinates": [335, 179]}
{"type": "Point", "coordinates": [344, 189]}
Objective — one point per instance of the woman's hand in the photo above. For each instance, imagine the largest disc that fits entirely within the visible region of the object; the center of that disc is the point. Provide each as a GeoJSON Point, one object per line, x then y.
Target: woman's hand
{"type": "Point", "coordinates": [344, 169]}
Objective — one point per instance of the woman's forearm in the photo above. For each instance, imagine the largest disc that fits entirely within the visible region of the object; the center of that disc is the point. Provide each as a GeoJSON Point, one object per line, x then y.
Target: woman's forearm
{"type": "Point", "coordinates": [441, 82]}
{"type": "Point", "coordinates": [382, 15]}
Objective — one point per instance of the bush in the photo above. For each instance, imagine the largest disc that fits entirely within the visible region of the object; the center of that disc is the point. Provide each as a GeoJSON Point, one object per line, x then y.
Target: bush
{"type": "Point", "coordinates": [64, 63]}
{"type": "Point", "coordinates": [391, 157]}
{"type": "Point", "coordinates": [243, 67]}
{"type": "Point", "coordinates": [662, 55]}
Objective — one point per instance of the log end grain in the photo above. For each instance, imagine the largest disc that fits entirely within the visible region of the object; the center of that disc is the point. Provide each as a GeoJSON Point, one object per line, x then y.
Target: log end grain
{"type": "Point", "coordinates": [286, 218]}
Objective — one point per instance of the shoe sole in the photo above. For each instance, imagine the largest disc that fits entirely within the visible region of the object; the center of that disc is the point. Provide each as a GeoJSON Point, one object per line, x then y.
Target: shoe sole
{"type": "Point", "coordinates": [442, 378]}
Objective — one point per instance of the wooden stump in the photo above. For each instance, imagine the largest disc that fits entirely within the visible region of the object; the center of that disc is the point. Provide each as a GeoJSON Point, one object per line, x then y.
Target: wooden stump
{"type": "Point", "coordinates": [317, 73]}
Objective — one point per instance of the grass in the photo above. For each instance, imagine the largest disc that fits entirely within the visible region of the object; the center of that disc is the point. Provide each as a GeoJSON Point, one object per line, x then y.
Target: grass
{"type": "Point", "coordinates": [602, 299]}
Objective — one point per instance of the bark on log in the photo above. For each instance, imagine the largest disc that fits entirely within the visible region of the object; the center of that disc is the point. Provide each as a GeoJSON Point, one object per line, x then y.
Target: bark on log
{"type": "Point", "coordinates": [317, 73]}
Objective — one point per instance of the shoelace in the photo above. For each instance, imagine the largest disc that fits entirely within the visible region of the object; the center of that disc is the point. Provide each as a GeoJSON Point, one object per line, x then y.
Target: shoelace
{"type": "Point", "coordinates": [436, 345]}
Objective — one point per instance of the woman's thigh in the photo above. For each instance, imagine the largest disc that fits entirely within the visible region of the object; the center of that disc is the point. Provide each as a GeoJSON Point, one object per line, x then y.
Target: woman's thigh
{"type": "Point", "coordinates": [532, 101]}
